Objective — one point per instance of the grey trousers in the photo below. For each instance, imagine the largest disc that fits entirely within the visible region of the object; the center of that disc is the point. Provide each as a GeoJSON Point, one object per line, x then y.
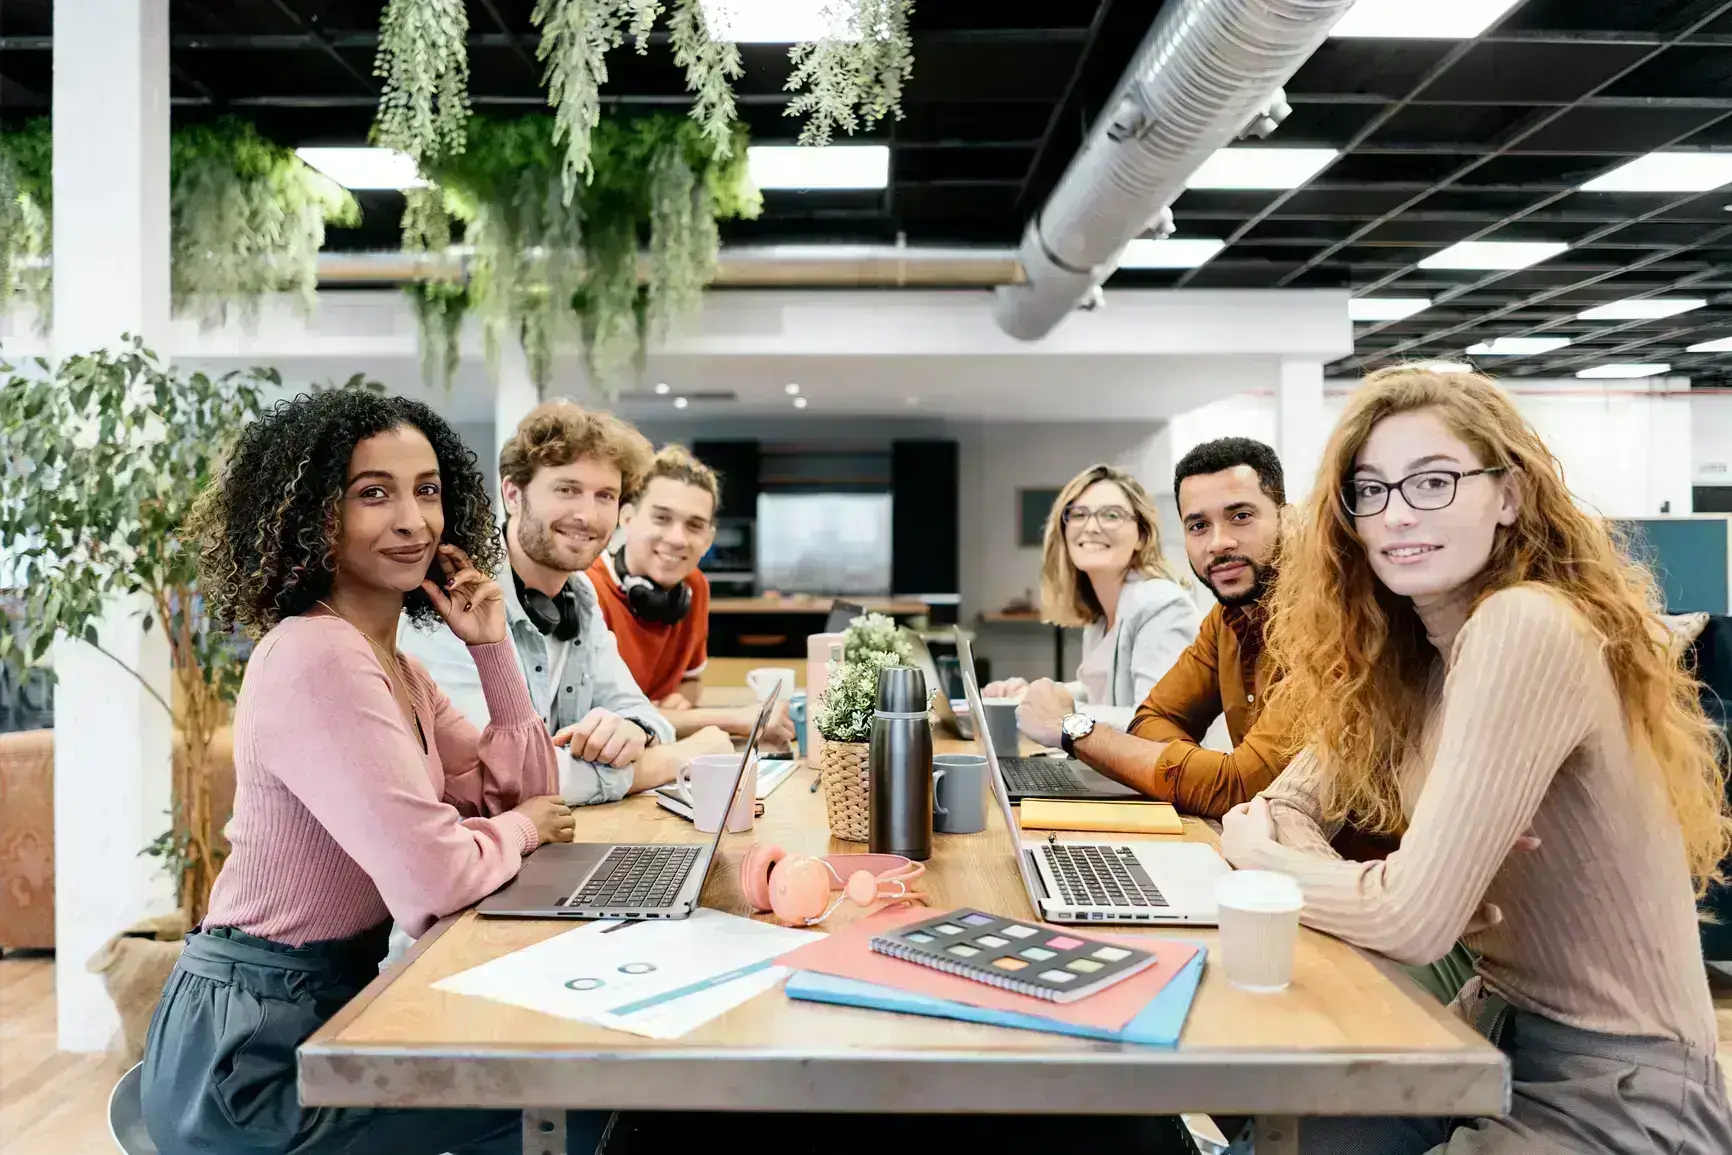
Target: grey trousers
{"type": "Point", "coordinates": [219, 1069]}
{"type": "Point", "coordinates": [1574, 1091]}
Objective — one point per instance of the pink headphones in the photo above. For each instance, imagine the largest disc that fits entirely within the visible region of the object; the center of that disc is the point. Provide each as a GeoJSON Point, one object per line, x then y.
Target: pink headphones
{"type": "Point", "coordinates": [796, 887]}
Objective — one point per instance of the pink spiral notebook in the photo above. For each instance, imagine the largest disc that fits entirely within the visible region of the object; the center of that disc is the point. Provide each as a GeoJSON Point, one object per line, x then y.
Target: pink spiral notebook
{"type": "Point", "coordinates": [848, 954]}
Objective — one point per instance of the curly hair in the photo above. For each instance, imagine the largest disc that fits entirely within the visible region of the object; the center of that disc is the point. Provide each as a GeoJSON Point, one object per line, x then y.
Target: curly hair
{"type": "Point", "coordinates": [266, 530]}
{"type": "Point", "coordinates": [559, 432]}
{"type": "Point", "coordinates": [1353, 657]}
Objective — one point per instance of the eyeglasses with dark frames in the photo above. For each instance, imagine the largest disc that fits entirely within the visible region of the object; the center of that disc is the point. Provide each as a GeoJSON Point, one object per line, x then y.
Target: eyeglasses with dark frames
{"type": "Point", "coordinates": [1427, 490]}
{"type": "Point", "coordinates": [1108, 517]}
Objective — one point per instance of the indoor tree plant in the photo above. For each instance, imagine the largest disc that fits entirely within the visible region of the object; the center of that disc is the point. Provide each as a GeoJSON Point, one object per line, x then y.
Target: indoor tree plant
{"type": "Point", "coordinates": [551, 271]}
{"type": "Point", "coordinates": [104, 454]}
{"type": "Point", "coordinates": [844, 719]}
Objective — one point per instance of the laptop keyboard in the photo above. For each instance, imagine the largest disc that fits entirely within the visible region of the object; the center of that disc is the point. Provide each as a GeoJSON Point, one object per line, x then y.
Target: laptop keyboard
{"type": "Point", "coordinates": [637, 877]}
{"type": "Point", "coordinates": [1034, 774]}
{"type": "Point", "coordinates": [1091, 875]}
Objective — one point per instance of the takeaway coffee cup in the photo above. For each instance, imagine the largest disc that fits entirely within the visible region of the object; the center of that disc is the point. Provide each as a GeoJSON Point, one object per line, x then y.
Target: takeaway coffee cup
{"type": "Point", "coordinates": [1259, 917]}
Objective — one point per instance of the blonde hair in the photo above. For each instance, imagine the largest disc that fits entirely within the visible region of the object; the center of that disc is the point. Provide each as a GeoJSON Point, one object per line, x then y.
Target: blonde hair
{"type": "Point", "coordinates": [1353, 658]}
{"type": "Point", "coordinates": [1066, 598]}
{"type": "Point", "coordinates": [677, 463]}
{"type": "Point", "coordinates": [559, 432]}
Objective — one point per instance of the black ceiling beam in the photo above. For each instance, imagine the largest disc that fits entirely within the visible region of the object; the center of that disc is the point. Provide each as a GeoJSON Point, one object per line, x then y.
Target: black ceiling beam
{"type": "Point", "coordinates": [1533, 125]}
{"type": "Point", "coordinates": [1063, 103]}
{"type": "Point", "coordinates": [324, 44]}
{"type": "Point", "coordinates": [1562, 362]}
{"type": "Point", "coordinates": [314, 38]}
{"type": "Point", "coordinates": [1376, 122]}
{"type": "Point", "coordinates": [1372, 100]}
{"type": "Point", "coordinates": [512, 40]}
{"type": "Point", "coordinates": [1542, 296]}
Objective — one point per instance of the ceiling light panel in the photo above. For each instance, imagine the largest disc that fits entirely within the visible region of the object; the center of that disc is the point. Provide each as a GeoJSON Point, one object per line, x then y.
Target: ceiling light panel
{"type": "Point", "coordinates": [1386, 308]}
{"type": "Point", "coordinates": [364, 168]}
{"type": "Point", "coordinates": [1493, 255]}
{"type": "Point", "coordinates": [1420, 19]}
{"type": "Point", "coordinates": [1260, 168]}
{"type": "Point", "coordinates": [1171, 253]}
{"type": "Point", "coordinates": [774, 21]}
{"type": "Point", "coordinates": [1641, 309]}
{"type": "Point", "coordinates": [1517, 346]}
{"type": "Point", "coordinates": [1623, 370]}
{"type": "Point", "coordinates": [1667, 172]}
{"type": "Point", "coordinates": [834, 166]}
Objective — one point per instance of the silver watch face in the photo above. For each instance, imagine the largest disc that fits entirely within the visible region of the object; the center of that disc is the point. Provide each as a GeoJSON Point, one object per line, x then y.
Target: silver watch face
{"type": "Point", "coordinates": [1078, 725]}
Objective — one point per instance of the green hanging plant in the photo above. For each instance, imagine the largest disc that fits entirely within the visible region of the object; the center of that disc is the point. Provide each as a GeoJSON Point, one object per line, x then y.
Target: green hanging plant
{"type": "Point", "coordinates": [440, 307]}
{"type": "Point", "coordinates": [423, 58]}
{"type": "Point", "coordinates": [247, 218]}
{"type": "Point", "coordinates": [844, 82]}
{"type": "Point", "coordinates": [553, 272]}
{"type": "Point", "coordinates": [26, 210]}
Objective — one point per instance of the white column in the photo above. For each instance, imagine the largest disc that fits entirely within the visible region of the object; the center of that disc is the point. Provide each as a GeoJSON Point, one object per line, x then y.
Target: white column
{"type": "Point", "coordinates": [1669, 466]}
{"type": "Point", "coordinates": [1300, 428]}
{"type": "Point", "coordinates": [111, 276]}
{"type": "Point", "coordinates": [514, 395]}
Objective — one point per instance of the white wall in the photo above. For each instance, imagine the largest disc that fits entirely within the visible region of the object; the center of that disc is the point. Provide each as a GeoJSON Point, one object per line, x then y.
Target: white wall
{"type": "Point", "coordinates": [1624, 451]}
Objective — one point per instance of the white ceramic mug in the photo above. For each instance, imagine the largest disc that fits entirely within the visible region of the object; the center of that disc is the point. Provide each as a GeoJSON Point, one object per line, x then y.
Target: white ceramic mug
{"type": "Point", "coordinates": [703, 785]}
{"type": "Point", "coordinates": [766, 678]}
{"type": "Point", "coordinates": [1259, 919]}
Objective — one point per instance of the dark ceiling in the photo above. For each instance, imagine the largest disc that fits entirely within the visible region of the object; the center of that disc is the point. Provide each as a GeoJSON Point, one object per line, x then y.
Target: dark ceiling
{"type": "Point", "coordinates": [1441, 141]}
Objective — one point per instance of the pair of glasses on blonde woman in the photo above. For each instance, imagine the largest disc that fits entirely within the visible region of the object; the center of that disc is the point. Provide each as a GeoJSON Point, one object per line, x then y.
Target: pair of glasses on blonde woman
{"type": "Point", "coordinates": [1108, 517]}
{"type": "Point", "coordinates": [1427, 490]}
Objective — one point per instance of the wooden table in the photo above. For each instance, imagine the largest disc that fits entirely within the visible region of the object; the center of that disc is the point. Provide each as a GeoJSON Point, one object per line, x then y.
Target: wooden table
{"type": "Point", "coordinates": [1351, 1036]}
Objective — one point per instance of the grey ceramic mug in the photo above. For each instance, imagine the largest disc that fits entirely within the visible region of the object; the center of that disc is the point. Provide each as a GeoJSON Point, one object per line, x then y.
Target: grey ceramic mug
{"type": "Point", "coordinates": [959, 793]}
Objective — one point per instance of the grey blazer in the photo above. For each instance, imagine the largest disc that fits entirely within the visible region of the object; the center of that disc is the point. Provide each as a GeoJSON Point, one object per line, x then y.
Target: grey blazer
{"type": "Point", "coordinates": [1157, 620]}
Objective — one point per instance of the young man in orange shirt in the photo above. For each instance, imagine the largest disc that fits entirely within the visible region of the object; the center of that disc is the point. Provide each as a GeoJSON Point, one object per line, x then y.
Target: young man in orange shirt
{"type": "Point", "coordinates": [657, 602]}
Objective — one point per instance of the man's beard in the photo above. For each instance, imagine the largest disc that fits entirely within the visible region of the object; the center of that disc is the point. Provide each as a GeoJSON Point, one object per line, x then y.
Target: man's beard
{"type": "Point", "coordinates": [539, 543]}
{"type": "Point", "coordinates": [1261, 576]}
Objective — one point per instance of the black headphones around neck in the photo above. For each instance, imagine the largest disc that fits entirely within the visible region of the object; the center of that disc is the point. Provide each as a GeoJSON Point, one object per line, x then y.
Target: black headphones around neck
{"type": "Point", "coordinates": [561, 616]}
{"type": "Point", "coordinates": [649, 602]}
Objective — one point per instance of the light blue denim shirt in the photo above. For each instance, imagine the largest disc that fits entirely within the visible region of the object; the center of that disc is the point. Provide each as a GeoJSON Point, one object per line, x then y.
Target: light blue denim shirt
{"type": "Point", "coordinates": [593, 675]}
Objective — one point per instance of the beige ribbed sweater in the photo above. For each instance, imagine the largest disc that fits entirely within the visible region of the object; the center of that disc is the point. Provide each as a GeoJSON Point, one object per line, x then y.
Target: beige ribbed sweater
{"type": "Point", "coordinates": [1525, 733]}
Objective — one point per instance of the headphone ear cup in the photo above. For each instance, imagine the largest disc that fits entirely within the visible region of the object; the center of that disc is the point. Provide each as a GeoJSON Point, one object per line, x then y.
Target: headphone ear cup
{"type": "Point", "coordinates": [755, 869]}
{"type": "Point", "coordinates": [799, 889]}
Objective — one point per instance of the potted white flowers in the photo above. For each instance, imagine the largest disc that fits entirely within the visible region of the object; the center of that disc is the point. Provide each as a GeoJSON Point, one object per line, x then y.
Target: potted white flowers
{"type": "Point", "coordinates": [844, 718]}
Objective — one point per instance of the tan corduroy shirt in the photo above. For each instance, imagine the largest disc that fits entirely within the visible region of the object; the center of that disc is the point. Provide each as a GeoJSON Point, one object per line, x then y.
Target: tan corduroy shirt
{"type": "Point", "coordinates": [1525, 731]}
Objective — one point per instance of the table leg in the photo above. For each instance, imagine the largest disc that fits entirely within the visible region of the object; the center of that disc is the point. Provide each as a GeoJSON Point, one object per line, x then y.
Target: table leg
{"type": "Point", "coordinates": [1276, 1135]}
{"type": "Point", "coordinates": [544, 1132]}
{"type": "Point", "coordinates": [1058, 654]}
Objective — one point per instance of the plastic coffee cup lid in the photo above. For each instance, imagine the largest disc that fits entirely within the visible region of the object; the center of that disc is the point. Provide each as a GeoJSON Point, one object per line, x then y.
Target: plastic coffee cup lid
{"type": "Point", "coordinates": [1261, 891]}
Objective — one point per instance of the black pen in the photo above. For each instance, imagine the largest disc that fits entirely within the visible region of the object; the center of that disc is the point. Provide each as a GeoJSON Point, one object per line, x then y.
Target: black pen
{"type": "Point", "coordinates": [620, 924]}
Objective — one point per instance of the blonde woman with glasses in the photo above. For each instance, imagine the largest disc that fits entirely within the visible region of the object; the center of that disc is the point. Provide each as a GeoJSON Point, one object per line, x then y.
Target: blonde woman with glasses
{"type": "Point", "coordinates": [1102, 569]}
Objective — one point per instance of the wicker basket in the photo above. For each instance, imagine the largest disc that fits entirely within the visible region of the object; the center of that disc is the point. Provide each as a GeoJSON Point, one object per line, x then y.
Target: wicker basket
{"type": "Point", "coordinates": [845, 770]}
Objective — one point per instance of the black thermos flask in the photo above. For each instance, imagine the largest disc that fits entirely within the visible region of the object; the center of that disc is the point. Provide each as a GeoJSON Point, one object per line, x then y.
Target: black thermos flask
{"type": "Point", "coordinates": [901, 764]}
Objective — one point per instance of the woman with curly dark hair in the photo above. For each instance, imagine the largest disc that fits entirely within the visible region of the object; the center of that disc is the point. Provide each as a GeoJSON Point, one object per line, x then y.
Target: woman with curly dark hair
{"type": "Point", "coordinates": [361, 795]}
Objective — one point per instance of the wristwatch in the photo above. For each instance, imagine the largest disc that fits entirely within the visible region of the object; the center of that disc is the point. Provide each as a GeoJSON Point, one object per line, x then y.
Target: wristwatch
{"type": "Point", "coordinates": [1073, 727]}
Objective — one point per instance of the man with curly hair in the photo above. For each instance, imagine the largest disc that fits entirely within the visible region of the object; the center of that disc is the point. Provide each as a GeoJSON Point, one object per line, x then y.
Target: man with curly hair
{"type": "Point", "coordinates": [562, 476]}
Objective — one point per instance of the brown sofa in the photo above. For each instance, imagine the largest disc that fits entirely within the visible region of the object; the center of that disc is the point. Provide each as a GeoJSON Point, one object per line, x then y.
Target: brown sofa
{"type": "Point", "coordinates": [27, 830]}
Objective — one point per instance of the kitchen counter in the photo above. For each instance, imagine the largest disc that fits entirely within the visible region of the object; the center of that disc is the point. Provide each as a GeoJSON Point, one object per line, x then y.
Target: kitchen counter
{"type": "Point", "coordinates": [811, 604]}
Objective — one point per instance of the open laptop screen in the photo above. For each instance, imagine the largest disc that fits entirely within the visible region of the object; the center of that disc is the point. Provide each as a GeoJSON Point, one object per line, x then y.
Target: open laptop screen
{"type": "Point", "coordinates": [983, 735]}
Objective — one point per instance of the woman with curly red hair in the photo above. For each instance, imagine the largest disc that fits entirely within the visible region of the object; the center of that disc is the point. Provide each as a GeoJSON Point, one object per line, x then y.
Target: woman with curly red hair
{"type": "Point", "coordinates": [1477, 667]}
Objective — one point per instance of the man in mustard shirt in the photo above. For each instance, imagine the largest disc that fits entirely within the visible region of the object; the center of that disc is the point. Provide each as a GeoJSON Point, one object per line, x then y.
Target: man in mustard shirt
{"type": "Point", "coordinates": [1230, 494]}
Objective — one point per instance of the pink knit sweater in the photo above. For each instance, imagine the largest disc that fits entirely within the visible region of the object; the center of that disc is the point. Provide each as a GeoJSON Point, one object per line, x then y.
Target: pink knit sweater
{"type": "Point", "coordinates": [341, 820]}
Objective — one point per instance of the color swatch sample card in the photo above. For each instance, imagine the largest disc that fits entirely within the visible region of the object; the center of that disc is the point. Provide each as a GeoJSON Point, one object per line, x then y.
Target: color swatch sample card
{"type": "Point", "coordinates": [1025, 957]}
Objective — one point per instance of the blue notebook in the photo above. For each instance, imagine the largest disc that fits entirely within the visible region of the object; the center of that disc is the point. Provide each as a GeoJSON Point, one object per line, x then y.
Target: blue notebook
{"type": "Point", "coordinates": [1156, 1025]}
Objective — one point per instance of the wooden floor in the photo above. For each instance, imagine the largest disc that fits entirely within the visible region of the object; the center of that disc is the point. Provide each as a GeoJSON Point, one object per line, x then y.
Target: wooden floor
{"type": "Point", "coordinates": [56, 1103]}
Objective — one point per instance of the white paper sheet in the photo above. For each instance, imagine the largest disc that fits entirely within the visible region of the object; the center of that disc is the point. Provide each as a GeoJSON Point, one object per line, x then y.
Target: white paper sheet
{"type": "Point", "coordinates": [660, 978]}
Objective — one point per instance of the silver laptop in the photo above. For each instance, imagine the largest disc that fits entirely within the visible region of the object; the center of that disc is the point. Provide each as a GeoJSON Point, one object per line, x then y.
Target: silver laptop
{"type": "Point", "coordinates": [618, 880]}
{"type": "Point", "coordinates": [1125, 882]}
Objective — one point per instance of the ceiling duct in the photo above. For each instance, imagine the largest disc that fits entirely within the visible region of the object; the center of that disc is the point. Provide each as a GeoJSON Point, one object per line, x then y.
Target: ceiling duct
{"type": "Point", "coordinates": [1209, 71]}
